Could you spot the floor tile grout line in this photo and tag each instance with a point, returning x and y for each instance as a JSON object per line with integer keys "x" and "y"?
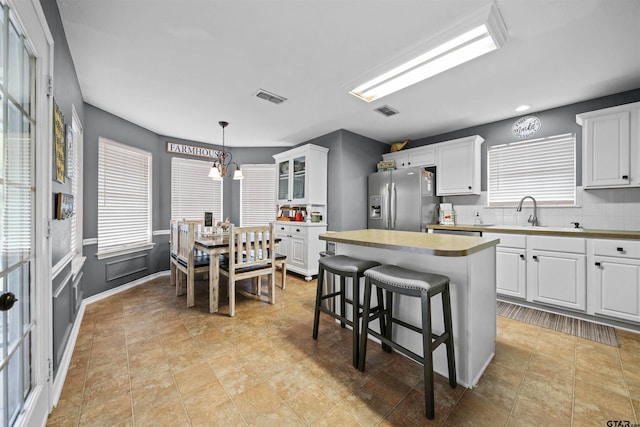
{"x": 86, "y": 369}
{"x": 573, "y": 385}
{"x": 126, "y": 346}
{"x": 524, "y": 376}
{"x": 626, "y": 384}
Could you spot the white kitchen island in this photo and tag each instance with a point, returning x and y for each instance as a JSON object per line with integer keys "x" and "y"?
{"x": 470, "y": 263}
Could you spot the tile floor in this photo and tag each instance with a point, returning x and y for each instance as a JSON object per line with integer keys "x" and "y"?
{"x": 143, "y": 359}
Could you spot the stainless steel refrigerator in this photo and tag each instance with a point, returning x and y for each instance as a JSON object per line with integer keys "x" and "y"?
{"x": 403, "y": 199}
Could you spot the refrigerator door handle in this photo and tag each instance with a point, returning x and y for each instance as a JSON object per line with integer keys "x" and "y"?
{"x": 393, "y": 206}
{"x": 386, "y": 206}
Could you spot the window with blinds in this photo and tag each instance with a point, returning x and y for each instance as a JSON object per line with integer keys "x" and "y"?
{"x": 124, "y": 197}
{"x": 192, "y": 192}
{"x": 258, "y": 195}
{"x": 544, "y": 168}
{"x": 72, "y": 155}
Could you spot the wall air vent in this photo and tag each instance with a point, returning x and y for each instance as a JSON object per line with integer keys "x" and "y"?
{"x": 385, "y": 110}
{"x": 271, "y": 97}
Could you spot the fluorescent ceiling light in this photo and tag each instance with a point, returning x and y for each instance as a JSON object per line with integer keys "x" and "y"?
{"x": 523, "y": 108}
{"x": 482, "y": 33}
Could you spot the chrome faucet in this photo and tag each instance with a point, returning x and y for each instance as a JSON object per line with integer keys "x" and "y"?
{"x": 533, "y": 219}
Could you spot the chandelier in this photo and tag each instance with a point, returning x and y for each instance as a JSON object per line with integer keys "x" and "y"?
{"x": 223, "y": 162}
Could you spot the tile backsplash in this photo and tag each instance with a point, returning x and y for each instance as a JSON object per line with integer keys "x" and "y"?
{"x": 606, "y": 209}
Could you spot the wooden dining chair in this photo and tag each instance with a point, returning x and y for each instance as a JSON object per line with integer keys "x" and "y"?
{"x": 173, "y": 252}
{"x": 190, "y": 261}
{"x": 251, "y": 255}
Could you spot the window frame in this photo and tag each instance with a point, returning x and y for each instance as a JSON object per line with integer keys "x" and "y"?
{"x": 524, "y": 158}
{"x": 266, "y": 176}
{"x": 199, "y": 174}
{"x": 131, "y": 152}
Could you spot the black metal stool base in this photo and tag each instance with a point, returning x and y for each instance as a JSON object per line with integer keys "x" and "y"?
{"x": 396, "y": 280}
{"x": 344, "y": 267}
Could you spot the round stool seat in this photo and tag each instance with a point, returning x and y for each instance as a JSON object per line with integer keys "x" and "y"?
{"x": 346, "y": 264}
{"x": 399, "y": 277}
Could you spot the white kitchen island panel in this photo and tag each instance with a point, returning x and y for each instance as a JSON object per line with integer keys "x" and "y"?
{"x": 473, "y": 292}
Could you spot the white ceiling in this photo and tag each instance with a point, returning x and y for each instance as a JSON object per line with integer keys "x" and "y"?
{"x": 177, "y": 67}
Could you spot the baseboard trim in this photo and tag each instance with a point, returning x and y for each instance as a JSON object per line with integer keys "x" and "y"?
{"x": 56, "y": 388}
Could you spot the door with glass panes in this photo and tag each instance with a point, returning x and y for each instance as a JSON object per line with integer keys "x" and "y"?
{"x": 24, "y": 117}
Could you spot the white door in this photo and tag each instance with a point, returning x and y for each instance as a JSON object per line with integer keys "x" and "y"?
{"x": 25, "y": 177}
{"x": 558, "y": 278}
{"x": 511, "y": 272}
{"x": 617, "y": 288}
{"x": 607, "y": 159}
{"x": 456, "y": 169}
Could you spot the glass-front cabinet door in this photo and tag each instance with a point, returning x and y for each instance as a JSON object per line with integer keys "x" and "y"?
{"x": 299, "y": 172}
{"x": 292, "y": 180}
{"x": 283, "y": 181}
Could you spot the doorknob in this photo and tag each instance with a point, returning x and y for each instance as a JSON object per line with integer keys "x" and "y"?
{"x": 7, "y": 300}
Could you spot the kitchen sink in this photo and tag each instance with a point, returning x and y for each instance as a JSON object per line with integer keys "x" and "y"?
{"x": 537, "y": 227}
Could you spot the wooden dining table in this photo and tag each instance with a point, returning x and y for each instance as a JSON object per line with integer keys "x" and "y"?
{"x": 215, "y": 245}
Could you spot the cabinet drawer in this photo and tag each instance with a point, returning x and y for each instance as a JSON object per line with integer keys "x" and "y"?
{"x": 298, "y": 230}
{"x": 617, "y": 248}
{"x": 509, "y": 240}
{"x": 558, "y": 244}
{"x": 282, "y": 230}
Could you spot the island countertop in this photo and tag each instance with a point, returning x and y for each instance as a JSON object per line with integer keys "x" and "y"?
{"x": 413, "y": 241}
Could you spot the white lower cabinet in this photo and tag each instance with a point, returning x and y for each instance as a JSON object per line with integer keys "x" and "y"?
{"x": 556, "y": 273}
{"x": 301, "y": 244}
{"x": 615, "y": 273}
{"x": 558, "y": 278}
{"x": 511, "y": 277}
{"x": 597, "y": 277}
{"x": 511, "y": 265}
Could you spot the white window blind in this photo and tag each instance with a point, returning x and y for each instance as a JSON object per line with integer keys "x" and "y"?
{"x": 72, "y": 155}
{"x": 124, "y": 197}
{"x": 544, "y": 168}
{"x": 17, "y": 189}
{"x": 258, "y": 195}
{"x": 192, "y": 191}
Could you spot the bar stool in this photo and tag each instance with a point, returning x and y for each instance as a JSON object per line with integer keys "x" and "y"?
{"x": 343, "y": 266}
{"x": 397, "y": 280}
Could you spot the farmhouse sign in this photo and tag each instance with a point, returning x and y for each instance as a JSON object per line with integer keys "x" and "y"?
{"x": 192, "y": 150}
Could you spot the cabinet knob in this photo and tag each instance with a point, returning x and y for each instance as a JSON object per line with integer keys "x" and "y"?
{"x": 535, "y": 257}
{"x": 598, "y": 264}
{"x": 625, "y": 176}
{"x": 408, "y": 163}
{"x": 620, "y": 249}
{"x": 297, "y": 230}
{"x": 469, "y": 187}
{"x": 521, "y": 256}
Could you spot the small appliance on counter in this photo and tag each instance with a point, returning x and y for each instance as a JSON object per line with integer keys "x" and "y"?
{"x": 447, "y": 214}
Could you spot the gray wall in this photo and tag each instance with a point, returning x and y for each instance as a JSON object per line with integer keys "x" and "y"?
{"x": 66, "y": 92}
{"x": 351, "y": 159}
{"x": 554, "y": 122}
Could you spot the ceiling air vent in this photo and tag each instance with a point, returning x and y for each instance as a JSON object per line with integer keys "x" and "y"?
{"x": 271, "y": 97}
{"x": 385, "y": 110}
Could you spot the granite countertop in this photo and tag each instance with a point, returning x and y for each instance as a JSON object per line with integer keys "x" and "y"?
{"x": 541, "y": 230}
{"x": 412, "y": 241}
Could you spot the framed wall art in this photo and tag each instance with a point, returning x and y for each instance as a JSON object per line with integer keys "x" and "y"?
{"x": 64, "y": 206}
{"x": 59, "y": 143}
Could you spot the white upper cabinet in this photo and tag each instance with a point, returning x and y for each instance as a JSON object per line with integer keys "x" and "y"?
{"x": 302, "y": 175}
{"x": 458, "y": 163}
{"x": 611, "y": 147}
{"x": 419, "y": 156}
